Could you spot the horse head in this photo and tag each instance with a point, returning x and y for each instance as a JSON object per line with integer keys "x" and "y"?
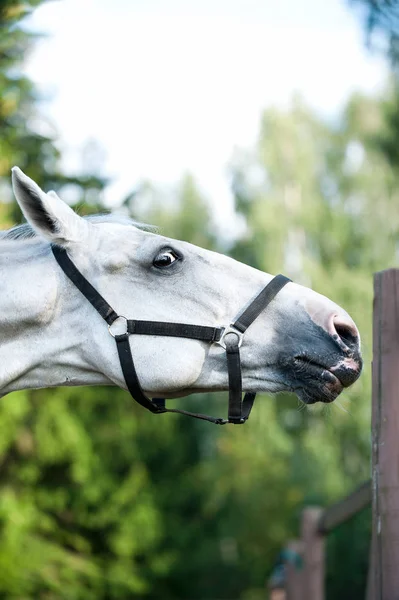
{"x": 303, "y": 342}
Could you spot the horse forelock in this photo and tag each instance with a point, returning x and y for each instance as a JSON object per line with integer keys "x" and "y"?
{"x": 26, "y": 232}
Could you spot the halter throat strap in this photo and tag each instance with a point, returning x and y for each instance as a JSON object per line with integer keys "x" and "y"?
{"x": 230, "y": 338}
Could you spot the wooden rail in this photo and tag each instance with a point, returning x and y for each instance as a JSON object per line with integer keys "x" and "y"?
{"x": 345, "y": 509}
{"x": 307, "y": 582}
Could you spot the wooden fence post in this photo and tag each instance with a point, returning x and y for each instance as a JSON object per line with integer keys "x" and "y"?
{"x": 385, "y": 437}
{"x": 294, "y": 571}
{"x": 313, "y": 555}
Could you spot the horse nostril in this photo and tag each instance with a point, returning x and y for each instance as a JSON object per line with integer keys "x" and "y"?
{"x": 345, "y": 331}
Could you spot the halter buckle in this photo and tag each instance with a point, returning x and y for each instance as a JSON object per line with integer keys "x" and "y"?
{"x": 226, "y": 331}
{"x": 121, "y": 326}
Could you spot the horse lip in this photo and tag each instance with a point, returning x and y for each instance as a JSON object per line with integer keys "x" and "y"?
{"x": 345, "y": 372}
{"x": 306, "y": 361}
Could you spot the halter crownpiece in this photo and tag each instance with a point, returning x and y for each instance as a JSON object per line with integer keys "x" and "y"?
{"x": 230, "y": 338}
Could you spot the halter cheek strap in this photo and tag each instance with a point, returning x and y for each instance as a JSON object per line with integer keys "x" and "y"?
{"x": 230, "y": 338}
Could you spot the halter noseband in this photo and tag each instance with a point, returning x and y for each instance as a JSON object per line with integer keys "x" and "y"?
{"x": 230, "y": 338}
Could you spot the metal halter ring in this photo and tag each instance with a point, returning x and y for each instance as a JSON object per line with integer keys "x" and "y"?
{"x": 119, "y": 325}
{"x": 227, "y": 330}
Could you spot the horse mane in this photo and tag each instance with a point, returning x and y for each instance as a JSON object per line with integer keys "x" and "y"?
{"x": 26, "y": 232}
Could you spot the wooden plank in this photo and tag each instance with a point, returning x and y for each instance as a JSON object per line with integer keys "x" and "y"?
{"x": 345, "y": 509}
{"x": 385, "y": 437}
{"x": 294, "y": 571}
{"x": 313, "y": 555}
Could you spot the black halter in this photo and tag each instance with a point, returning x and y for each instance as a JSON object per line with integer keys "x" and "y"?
{"x": 230, "y": 338}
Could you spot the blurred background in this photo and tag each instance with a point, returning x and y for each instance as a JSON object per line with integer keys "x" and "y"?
{"x": 265, "y": 130}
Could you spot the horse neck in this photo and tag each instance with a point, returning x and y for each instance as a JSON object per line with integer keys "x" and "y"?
{"x": 42, "y": 331}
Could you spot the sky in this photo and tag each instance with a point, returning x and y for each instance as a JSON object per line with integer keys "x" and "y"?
{"x": 168, "y": 87}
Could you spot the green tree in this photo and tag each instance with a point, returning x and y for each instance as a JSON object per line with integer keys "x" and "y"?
{"x": 381, "y": 22}
{"x": 382, "y": 17}
{"x": 27, "y": 139}
{"x": 181, "y": 212}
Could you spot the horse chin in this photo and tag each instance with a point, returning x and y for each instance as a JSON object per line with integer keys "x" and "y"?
{"x": 325, "y": 393}
{"x": 316, "y": 384}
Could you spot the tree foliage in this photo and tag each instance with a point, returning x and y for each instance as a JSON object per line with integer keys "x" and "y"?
{"x": 381, "y": 21}
{"x": 27, "y": 138}
{"x": 382, "y": 17}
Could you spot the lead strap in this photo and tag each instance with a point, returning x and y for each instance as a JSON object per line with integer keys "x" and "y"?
{"x": 157, "y": 405}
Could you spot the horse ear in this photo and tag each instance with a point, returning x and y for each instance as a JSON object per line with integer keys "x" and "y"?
{"x": 49, "y": 216}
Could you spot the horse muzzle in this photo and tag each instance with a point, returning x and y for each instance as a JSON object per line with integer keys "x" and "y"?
{"x": 328, "y": 359}
{"x": 315, "y": 380}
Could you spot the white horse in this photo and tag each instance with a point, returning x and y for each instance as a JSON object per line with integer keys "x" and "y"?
{"x": 51, "y": 336}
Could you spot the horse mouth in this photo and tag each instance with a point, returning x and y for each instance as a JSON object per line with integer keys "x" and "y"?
{"x": 315, "y": 382}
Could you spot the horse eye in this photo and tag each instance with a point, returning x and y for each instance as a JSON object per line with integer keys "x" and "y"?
{"x": 165, "y": 259}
